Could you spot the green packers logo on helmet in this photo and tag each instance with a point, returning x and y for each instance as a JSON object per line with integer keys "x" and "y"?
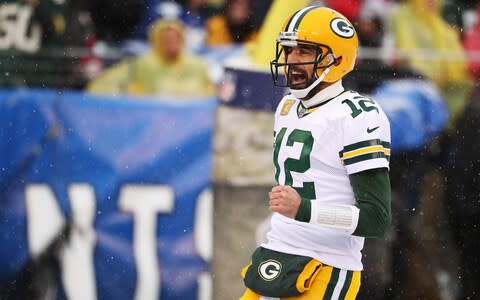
{"x": 342, "y": 28}
{"x": 269, "y": 269}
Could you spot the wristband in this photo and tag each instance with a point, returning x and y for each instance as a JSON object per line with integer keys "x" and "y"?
{"x": 334, "y": 215}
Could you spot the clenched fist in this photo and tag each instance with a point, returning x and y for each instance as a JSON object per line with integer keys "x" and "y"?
{"x": 285, "y": 200}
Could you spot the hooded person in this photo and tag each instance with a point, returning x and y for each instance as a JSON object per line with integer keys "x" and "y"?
{"x": 429, "y": 45}
{"x": 165, "y": 70}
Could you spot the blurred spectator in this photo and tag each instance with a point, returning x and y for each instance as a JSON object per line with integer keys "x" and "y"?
{"x": 195, "y": 14}
{"x": 47, "y": 43}
{"x": 462, "y": 171}
{"x": 371, "y": 69}
{"x": 164, "y": 70}
{"x": 349, "y": 8}
{"x": 153, "y": 10}
{"x": 260, "y": 9}
{"x": 234, "y": 25}
{"x": 454, "y": 12}
{"x": 82, "y": 33}
{"x": 370, "y": 29}
{"x": 471, "y": 42}
{"x": 34, "y": 36}
{"x": 428, "y": 44}
{"x": 463, "y": 194}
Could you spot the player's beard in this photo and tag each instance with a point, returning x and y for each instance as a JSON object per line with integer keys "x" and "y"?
{"x": 299, "y": 78}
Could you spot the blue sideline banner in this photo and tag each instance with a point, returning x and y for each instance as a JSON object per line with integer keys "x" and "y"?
{"x": 120, "y": 187}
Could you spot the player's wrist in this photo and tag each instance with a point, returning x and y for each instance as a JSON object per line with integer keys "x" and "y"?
{"x": 304, "y": 211}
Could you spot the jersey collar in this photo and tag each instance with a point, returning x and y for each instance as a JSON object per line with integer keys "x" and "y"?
{"x": 324, "y": 95}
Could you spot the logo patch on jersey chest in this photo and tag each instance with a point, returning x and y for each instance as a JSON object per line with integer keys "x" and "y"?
{"x": 303, "y": 111}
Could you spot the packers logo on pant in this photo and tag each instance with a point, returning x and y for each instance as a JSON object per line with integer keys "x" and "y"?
{"x": 270, "y": 269}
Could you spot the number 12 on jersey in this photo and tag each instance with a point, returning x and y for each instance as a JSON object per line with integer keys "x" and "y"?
{"x": 300, "y": 165}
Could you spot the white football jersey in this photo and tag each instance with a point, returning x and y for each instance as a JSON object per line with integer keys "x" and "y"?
{"x": 315, "y": 150}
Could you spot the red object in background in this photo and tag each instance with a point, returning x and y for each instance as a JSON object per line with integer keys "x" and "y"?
{"x": 471, "y": 43}
{"x": 348, "y": 8}
{"x": 90, "y": 65}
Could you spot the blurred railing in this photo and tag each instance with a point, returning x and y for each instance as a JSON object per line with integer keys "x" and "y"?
{"x": 425, "y": 54}
{"x": 68, "y": 67}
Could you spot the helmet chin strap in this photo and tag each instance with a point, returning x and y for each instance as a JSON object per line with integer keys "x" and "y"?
{"x": 302, "y": 93}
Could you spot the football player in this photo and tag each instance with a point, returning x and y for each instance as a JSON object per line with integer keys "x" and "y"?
{"x": 331, "y": 152}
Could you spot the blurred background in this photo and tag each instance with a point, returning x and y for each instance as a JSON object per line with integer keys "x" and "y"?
{"x": 136, "y": 135}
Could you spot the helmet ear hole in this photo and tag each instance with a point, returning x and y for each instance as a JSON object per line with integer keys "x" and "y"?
{"x": 338, "y": 61}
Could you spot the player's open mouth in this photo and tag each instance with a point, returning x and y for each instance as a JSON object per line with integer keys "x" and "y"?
{"x": 298, "y": 78}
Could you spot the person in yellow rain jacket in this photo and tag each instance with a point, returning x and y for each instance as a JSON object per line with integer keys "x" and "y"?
{"x": 165, "y": 70}
{"x": 428, "y": 44}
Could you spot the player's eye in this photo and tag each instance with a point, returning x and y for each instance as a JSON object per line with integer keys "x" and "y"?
{"x": 307, "y": 50}
{"x": 287, "y": 50}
